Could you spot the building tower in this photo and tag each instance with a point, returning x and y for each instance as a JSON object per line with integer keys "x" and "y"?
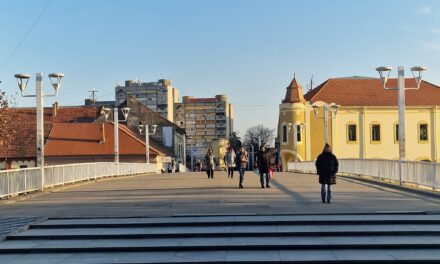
{"x": 291, "y": 128}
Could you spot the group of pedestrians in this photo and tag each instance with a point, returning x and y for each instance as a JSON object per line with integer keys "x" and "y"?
{"x": 326, "y": 166}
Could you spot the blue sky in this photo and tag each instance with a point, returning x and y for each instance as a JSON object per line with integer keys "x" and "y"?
{"x": 247, "y": 49}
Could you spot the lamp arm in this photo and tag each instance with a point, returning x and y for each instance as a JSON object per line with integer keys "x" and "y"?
{"x": 29, "y": 95}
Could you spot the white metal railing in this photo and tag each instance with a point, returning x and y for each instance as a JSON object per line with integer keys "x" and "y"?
{"x": 415, "y": 172}
{"x": 14, "y": 182}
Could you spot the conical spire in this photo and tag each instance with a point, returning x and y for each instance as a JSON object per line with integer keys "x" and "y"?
{"x": 294, "y": 93}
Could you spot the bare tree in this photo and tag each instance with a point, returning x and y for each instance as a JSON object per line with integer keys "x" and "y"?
{"x": 7, "y": 119}
{"x": 252, "y": 135}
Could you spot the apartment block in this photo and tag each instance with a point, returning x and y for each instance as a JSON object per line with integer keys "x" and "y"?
{"x": 205, "y": 120}
{"x": 159, "y": 96}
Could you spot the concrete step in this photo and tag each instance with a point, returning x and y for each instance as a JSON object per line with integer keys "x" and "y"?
{"x": 238, "y": 221}
{"x": 215, "y": 244}
{"x": 228, "y": 231}
{"x": 383, "y": 238}
{"x": 239, "y": 257}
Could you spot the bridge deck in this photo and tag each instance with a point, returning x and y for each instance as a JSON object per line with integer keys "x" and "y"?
{"x": 193, "y": 193}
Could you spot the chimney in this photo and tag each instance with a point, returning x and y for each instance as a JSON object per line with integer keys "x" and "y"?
{"x": 102, "y": 130}
{"x": 54, "y": 109}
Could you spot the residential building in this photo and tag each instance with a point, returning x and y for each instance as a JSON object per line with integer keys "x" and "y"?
{"x": 204, "y": 119}
{"x": 366, "y": 124}
{"x": 159, "y": 96}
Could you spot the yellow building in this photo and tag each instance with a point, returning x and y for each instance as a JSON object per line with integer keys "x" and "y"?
{"x": 365, "y": 126}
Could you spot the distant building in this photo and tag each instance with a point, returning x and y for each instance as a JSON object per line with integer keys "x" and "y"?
{"x": 168, "y": 135}
{"x": 99, "y": 103}
{"x": 159, "y": 96}
{"x": 205, "y": 120}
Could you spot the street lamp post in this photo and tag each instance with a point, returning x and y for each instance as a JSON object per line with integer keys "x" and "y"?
{"x": 333, "y": 108}
{"x": 116, "y": 121}
{"x": 384, "y": 73}
{"x": 147, "y": 141}
{"x": 22, "y": 80}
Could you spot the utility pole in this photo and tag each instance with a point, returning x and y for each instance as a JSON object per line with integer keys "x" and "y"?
{"x": 93, "y": 91}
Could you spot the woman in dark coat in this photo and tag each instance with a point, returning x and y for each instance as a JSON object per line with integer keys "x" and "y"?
{"x": 327, "y": 167}
{"x": 263, "y": 164}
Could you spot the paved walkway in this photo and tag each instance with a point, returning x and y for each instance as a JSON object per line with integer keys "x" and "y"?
{"x": 193, "y": 193}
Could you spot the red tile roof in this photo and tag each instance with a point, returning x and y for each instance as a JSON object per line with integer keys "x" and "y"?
{"x": 64, "y": 114}
{"x": 92, "y": 139}
{"x": 369, "y": 92}
{"x": 24, "y": 144}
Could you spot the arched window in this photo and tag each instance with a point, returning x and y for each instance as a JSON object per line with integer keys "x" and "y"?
{"x": 285, "y": 130}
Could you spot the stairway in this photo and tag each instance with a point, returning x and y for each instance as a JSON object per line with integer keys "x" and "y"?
{"x": 369, "y": 238}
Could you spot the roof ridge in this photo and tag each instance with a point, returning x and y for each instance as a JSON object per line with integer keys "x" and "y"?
{"x": 321, "y": 88}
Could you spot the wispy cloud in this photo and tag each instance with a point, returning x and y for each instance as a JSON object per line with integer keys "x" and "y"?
{"x": 434, "y": 30}
{"x": 424, "y": 10}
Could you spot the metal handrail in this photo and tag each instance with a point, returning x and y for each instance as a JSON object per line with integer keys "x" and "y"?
{"x": 20, "y": 181}
{"x": 421, "y": 173}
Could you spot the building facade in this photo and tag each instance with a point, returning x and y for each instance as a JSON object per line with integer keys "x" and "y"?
{"x": 366, "y": 123}
{"x": 205, "y": 120}
{"x": 159, "y": 96}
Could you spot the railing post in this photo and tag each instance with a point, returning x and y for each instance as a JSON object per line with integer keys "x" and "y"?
{"x": 434, "y": 176}
{"x": 8, "y": 182}
{"x": 25, "y": 181}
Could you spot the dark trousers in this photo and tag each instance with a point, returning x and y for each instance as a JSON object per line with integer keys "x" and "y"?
{"x": 210, "y": 173}
{"x": 262, "y": 178}
{"x": 231, "y": 172}
{"x": 241, "y": 172}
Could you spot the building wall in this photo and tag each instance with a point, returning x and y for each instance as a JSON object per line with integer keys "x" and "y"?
{"x": 159, "y": 96}
{"x": 364, "y": 147}
{"x": 17, "y": 164}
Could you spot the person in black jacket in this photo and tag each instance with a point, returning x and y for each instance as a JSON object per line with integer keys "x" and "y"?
{"x": 327, "y": 167}
{"x": 263, "y": 164}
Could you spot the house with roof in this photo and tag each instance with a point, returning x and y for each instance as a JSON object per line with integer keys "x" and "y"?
{"x": 69, "y": 143}
{"x": 72, "y": 134}
{"x": 366, "y": 123}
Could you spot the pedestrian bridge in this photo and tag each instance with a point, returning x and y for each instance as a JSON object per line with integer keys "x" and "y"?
{"x": 188, "y": 218}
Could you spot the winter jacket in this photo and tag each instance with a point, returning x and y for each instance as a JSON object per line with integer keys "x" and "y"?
{"x": 210, "y": 161}
{"x": 241, "y": 160}
{"x": 327, "y": 167}
{"x": 263, "y": 161}
{"x": 230, "y": 159}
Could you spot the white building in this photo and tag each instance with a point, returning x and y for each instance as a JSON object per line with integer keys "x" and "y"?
{"x": 159, "y": 96}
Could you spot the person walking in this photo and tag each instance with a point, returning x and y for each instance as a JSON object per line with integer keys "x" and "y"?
{"x": 263, "y": 164}
{"x": 327, "y": 167}
{"x": 241, "y": 163}
{"x": 210, "y": 163}
{"x": 229, "y": 160}
{"x": 276, "y": 160}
